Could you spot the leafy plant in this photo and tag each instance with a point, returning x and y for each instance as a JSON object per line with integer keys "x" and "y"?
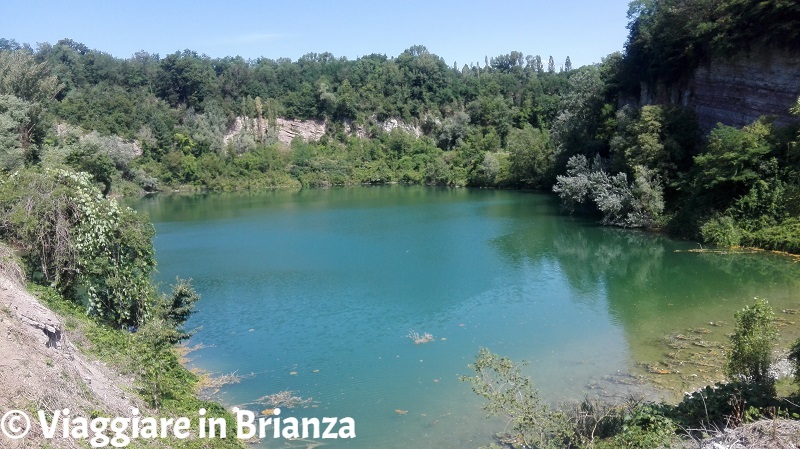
{"x": 512, "y": 395}
{"x": 76, "y": 239}
{"x": 638, "y": 204}
{"x": 751, "y": 344}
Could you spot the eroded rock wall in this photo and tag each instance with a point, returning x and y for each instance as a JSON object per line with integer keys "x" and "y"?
{"x": 736, "y": 91}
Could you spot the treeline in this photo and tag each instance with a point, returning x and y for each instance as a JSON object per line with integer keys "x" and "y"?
{"x": 186, "y": 120}
{"x": 180, "y": 108}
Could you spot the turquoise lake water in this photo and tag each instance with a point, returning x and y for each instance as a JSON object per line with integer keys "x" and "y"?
{"x": 315, "y": 291}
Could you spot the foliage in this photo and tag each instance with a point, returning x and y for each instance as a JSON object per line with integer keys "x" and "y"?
{"x": 159, "y": 377}
{"x": 576, "y": 129}
{"x": 733, "y": 161}
{"x": 784, "y": 236}
{"x": 534, "y": 423}
{"x": 531, "y": 157}
{"x": 670, "y": 37}
{"x": 794, "y": 357}
{"x": 755, "y": 335}
{"x": 531, "y": 421}
{"x": 26, "y": 88}
{"x": 721, "y": 230}
{"x": 621, "y": 204}
{"x": 721, "y": 405}
{"x": 662, "y": 138}
{"x": 75, "y": 238}
{"x": 643, "y": 427}
{"x": 14, "y": 114}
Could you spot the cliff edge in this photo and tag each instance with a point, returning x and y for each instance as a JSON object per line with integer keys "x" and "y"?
{"x": 736, "y": 91}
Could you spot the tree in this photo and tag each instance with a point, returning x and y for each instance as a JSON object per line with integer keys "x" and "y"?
{"x": 532, "y": 157}
{"x": 80, "y": 241}
{"x": 751, "y": 344}
{"x": 551, "y": 65}
{"x": 158, "y": 335}
{"x": 537, "y": 64}
{"x": 638, "y": 204}
{"x": 14, "y": 115}
{"x": 568, "y": 65}
{"x": 733, "y": 162}
{"x": 97, "y": 164}
{"x": 575, "y": 130}
{"x": 508, "y": 393}
{"x": 186, "y": 79}
{"x": 26, "y": 89}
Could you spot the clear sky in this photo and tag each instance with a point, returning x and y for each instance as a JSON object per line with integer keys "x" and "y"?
{"x": 459, "y": 31}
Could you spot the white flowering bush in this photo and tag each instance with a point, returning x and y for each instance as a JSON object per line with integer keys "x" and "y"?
{"x": 79, "y": 240}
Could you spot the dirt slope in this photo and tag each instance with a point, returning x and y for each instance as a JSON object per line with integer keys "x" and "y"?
{"x": 40, "y": 369}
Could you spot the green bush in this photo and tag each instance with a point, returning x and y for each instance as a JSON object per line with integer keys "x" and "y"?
{"x": 794, "y": 357}
{"x": 784, "y": 236}
{"x": 751, "y": 344}
{"x": 78, "y": 240}
{"x": 721, "y": 231}
{"x": 721, "y": 404}
{"x": 644, "y": 427}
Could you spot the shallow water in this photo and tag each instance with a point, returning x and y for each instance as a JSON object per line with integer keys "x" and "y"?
{"x": 315, "y": 291}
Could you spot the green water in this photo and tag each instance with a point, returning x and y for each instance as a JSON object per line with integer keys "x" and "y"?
{"x": 315, "y": 291}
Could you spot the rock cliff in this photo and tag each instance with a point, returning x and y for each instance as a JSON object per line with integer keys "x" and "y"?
{"x": 736, "y": 91}
{"x": 310, "y": 130}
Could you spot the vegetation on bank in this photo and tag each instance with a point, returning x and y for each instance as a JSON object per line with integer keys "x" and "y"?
{"x": 748, "y": 396}
{"x": 184, "y": 120}
{"x": 91, "y": 261}
{"x": 78, "y": 125}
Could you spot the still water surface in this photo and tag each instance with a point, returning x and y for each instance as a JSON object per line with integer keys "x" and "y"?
{"x": 315, "y": 291}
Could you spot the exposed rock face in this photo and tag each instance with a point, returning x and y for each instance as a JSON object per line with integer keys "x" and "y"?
{"x": 307, "y": 129}
{"x": 392, "y": 123}
{"x": 737, "y": 91}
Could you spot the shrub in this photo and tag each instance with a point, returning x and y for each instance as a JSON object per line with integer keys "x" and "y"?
{"x": 721, "y": 405}
{"x": 721, "y": 231}
{"x": 531, "y": 422}
{"x": 76, "y": 239}
{"x": 635, "y": 205}
{"x": 794, "y": 357}
{"x": 752, "y": 343}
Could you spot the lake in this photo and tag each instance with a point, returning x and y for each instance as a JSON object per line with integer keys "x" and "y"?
{"x": 316, "y": 292}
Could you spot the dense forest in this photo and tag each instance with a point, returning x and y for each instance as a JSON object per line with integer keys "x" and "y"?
{"x": 184, "y": 120}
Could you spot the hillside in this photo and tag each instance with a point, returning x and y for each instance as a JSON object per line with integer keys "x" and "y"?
{"x": 43, "y": 369}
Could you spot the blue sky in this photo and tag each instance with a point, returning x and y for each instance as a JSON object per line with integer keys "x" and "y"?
{"x": 458, "y": 31}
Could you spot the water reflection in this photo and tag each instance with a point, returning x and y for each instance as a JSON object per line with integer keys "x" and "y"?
{"x": 327, "y": 283}
{"x": 653, "y": 286}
